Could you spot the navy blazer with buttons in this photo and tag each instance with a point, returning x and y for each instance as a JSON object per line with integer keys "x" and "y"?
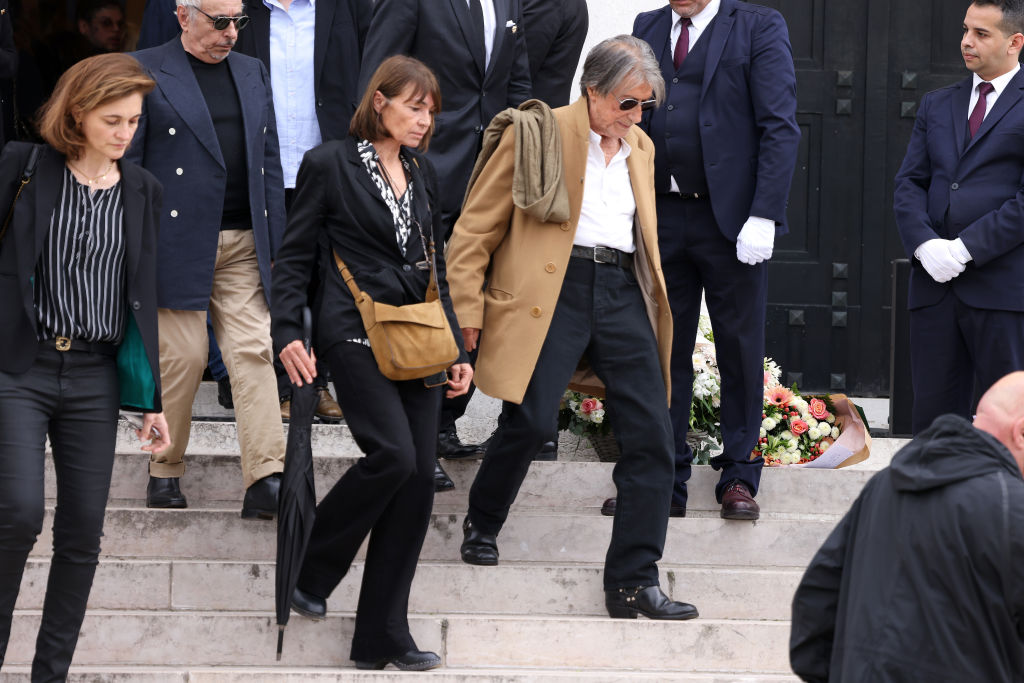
{"x": 748, "y": 129}
{"x": 951, "y": 185}
{"x": 24, "y": 241}
{"x": 177, "y": 143}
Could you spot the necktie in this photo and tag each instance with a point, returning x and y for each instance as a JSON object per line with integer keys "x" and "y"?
{"x": 476, "y": 15}
{"x": 978, "y": 115}
{"x": 682, "y": 44}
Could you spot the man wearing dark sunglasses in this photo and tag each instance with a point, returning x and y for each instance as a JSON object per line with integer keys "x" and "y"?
{"x": 726, "y": 144}
{"x": 208, "y": 133}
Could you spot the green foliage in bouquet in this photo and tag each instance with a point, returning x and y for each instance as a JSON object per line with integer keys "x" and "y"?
{"x": 582, "y": 415}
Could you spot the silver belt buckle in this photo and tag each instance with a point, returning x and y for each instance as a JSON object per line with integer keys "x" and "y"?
{"x": 605, "y": 255}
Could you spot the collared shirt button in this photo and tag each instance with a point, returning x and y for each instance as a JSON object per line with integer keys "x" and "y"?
{"x": 174, "y": 213}
{"x": 535, "y": 311}
{"x": 955, "y": 186}
{"x": 178, "y": 171}
{"x": 171, "y": 131}
{"x": 136, "y": 305}
{"x": 671, "y": 107}
{"x": 550, "y": 267}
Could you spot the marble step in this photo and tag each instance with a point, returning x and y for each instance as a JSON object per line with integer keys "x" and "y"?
{"x": 183, "y": 639}
{"x": 549, "y": 536}
{"x": 290, "y": 674}
{"x": 439, "y": 588}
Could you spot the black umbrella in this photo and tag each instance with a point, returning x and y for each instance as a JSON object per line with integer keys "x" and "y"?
{"x": 296, "y": 507}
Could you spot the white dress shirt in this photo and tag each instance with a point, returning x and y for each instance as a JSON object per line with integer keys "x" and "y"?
{"x": 292, "y": 33}
{"x": 999, "y": 84}
{"x": 606, "y": 216}
{"x": 698, "y": 23}
{"x": 489, "y": 21}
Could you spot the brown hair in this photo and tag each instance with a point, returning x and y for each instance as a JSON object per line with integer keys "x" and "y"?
{"x": 89, "y": 84}
{"x": 391, "y": 78}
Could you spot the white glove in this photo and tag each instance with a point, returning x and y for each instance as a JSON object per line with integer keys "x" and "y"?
{"x": 959, "y": 251}
{"x": 937, "y": 257}
{"x": 755, "y": 241}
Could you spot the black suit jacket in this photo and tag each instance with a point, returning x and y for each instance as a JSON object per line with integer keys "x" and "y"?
{"x": 557, "y": 31}
{"x": 339, "y": 34}
{"x": 434, "y": 31}
{"x": 337, "y": 206}
{"x": 26, "y": 235}
{"x": 8, "y": 56}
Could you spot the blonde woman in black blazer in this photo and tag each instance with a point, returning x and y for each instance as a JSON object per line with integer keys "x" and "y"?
{"x": 370, "y": 197}
{"x": 78, "y": 310}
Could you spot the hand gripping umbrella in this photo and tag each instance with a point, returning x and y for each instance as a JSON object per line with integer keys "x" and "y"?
{"x": 297, "y": 503}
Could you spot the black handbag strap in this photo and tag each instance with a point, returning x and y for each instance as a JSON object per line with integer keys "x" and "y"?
{"x": 26, "y": 178}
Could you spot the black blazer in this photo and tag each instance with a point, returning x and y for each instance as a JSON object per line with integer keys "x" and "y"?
{"x": 141, "y": 196}
{"x": 434, "y": 31}
{"x": 557, "y": 30}
{"x": 337, "y": 206}
{"x": 339, "y": 34}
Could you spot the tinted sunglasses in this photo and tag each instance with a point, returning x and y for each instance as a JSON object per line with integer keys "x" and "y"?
{"x": 221, "y": 23}
{"x": 627, "y": 103}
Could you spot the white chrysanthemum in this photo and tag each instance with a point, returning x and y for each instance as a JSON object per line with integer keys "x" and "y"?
{"x": 762, "y": 434}
{"x": 835, "y": 432}
{"x": 831, "y": 418}
{"x": 824, "y": 446}
{"x": 811, "y": 422}
{"x": 786, "y": 435}
{"x": 813, "y": 434}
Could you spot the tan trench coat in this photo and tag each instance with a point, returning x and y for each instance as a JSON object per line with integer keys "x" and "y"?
{"x": 523, "y": 261}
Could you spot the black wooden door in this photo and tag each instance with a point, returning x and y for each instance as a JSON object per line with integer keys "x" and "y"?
{"x": 862, "y": 67}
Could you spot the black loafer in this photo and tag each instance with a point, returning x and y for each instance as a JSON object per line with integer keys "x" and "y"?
{"x": 261, "y": 498}
{"x": 413, "y": 660}
{"x": 477, "y": 547}
{"x": 450, "y": 446}
{"x": 442, "y": 482}
{"x": 648, "y": 601}
{"x": 309, "y": 605}
{"x": 164, "y": 492}
{"x": 224, "y": 397}
{"x": 548, "y": 451}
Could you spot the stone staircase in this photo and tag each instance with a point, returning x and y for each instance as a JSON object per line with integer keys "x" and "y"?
{"x": 188, "y": 595}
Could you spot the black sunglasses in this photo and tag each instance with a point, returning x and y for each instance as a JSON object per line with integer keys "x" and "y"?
{"x": 221, "y": 23}
{"x": 627, "y": 103}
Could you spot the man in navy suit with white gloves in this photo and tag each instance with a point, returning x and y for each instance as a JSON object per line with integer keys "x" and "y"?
{"x": 725, "y": 149}
{"x": 959, "y": 203}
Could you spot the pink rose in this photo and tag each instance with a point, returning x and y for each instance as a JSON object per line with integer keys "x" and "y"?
{"x": 589, "y": 405}
{"x": 798, "y": 427}
{"x": 819, "y": 411}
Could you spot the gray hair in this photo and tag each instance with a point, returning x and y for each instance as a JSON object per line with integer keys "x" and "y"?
{"x": 616, "y": 60}
{"x": 193, "y": 5}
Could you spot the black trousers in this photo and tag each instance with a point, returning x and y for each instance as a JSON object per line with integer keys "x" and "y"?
{"x": 73, "y": 397}
{"x": 958, "y": 353}
{"x": 695, "y": 256}
{"x": 600, "y": 314}
{"x": 387, "y": 494}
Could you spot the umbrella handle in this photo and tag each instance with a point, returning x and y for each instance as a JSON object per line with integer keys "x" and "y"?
{"x": 307, "y": 327}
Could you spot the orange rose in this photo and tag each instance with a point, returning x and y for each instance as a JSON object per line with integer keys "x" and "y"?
{"x": 819, "y": 411}
{"x": 798, "y": 427}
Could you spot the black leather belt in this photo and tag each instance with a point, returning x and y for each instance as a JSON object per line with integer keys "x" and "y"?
{"x": 63, "y": 344}
{"x": 689, "y": 196}
{"x": 622, "y": 259}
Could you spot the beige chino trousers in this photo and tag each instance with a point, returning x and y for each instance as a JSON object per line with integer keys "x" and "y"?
{"x": 241, "y": 324}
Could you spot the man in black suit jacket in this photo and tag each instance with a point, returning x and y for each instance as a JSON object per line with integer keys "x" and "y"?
{"x": 312, "y": 52}
{"x": 481, "y": 72}
{"x": 558, "y": 29}
{"x": 8, "y": 57}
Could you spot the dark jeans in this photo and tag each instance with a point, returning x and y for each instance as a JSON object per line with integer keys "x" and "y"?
{"x": 601, "y": 315}
{"x": 389, "y": 491}
{"x": 73, "y": 397}
{"x": 696, "y": 256}
{"x": 958, "y": 353}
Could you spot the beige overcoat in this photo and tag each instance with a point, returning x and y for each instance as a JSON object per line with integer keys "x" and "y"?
{"x": 523, "y": 260}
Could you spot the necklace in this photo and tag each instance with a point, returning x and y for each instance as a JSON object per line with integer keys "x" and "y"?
{"x": 94, "y": 179}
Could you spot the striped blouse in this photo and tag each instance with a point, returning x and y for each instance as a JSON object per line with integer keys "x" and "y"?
{"x": 80, "y": 276}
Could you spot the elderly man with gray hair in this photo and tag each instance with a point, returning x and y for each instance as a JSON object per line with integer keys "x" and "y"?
{"x": 208, "y": 134}
{"x": 572, "y": 285}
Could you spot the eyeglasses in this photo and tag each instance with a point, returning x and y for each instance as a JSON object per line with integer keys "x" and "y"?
{"x": 627, "y": 103}
{"x": 221, "y": 23}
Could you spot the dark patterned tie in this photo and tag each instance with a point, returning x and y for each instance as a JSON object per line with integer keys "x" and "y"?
{"x": 683, "y": 44}
{"x": 978, "y": 115}
{"x": 476, "y": 15}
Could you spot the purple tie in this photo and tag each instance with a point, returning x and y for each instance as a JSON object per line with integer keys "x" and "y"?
{"x": 978, "y": 115}
{"x": 682, "y": 44}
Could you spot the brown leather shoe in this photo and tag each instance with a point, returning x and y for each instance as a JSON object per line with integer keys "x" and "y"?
{"x": 608, "y": 509}
{"x": 737, "y": 503}
{"x": 286, "y": 410}
{"x": 328, "y": 409}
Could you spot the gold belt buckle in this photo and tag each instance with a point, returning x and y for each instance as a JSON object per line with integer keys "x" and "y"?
{"x": 63, "y": 343}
